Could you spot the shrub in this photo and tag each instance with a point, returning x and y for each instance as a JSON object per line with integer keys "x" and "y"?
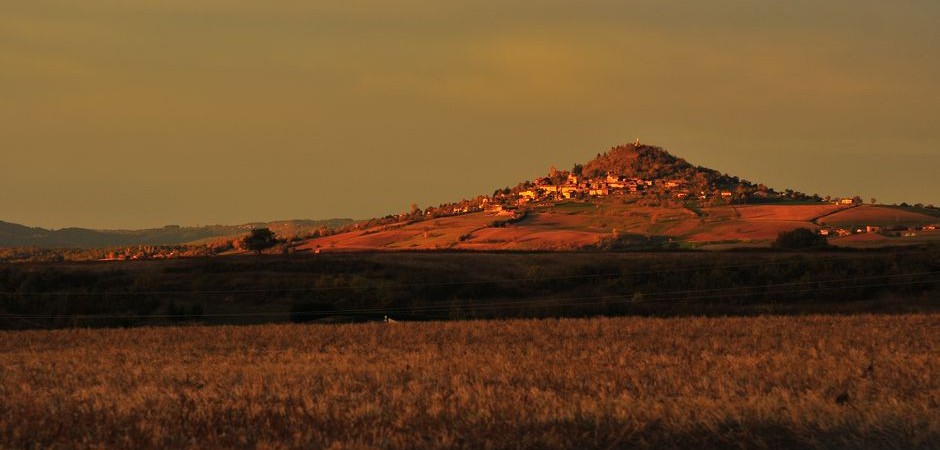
{"x": 800, "y": 238}
{"x": 259, "y": 239}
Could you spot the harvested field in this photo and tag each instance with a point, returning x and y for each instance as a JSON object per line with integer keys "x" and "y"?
{"x": 518, "y": 237}
{"x": 878, "y": 216}
{"x": 424, "y": 235}
{"x": 805, "y": 213}
{"x": 756, "y": 230}
{"x": 854, "y": 382}
{"x": 720, "y": 213}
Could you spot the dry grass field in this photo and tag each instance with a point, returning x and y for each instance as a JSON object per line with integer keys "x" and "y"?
{"x": 767, "y": 382}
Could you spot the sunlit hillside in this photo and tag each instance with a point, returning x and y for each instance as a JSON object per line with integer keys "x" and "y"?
{"x": 619, "y": 223}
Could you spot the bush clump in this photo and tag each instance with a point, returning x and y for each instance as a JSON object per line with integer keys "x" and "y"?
{"x": 800, "y": 238}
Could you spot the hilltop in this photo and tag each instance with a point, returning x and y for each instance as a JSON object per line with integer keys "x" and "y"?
{"x": 645, "y": 162}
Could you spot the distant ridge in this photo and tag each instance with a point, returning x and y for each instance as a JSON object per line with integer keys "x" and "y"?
{"x": 16, "y": 235}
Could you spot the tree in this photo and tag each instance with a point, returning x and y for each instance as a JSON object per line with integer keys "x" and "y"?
{"x": 577, "y": 170}
{"x": 873, "y": 200}
{"x": 800, "y": 238}
{"x": 259, "y": 239}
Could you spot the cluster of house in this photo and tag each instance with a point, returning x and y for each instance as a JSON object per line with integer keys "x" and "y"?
{"x": 142, "y": 252}
{"x": 897, "y": 231}
{"x": 162, "y": 252}
{"x": 575, "y": 186}
{"x": 497, "y": 209}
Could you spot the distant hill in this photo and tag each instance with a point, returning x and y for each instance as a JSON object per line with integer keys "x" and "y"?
{"x": 15, "y": 235}
{"x": 632, "y": 196}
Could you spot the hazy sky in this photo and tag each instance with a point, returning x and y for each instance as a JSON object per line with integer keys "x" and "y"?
{"x": 117, "y": 113}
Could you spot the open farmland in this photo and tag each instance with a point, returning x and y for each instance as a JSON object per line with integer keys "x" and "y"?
{"x": 765, "y": 382}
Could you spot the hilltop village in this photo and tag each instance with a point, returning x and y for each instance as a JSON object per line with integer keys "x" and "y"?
{"x": 560, "y": 186}
{"x": 650, "y": 175}
{"x": 579, "y": 187}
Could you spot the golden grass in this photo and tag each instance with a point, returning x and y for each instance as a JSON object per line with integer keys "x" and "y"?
{"x": 769, "y": 382}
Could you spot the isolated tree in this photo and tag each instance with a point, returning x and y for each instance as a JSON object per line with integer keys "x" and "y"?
{"x": 874, "y": 200}
{"x": 259, "y": 239}
{"x": 800, "y": 238}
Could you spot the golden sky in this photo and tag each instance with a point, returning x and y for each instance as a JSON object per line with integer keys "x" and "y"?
{"x": 127, "y": 114}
